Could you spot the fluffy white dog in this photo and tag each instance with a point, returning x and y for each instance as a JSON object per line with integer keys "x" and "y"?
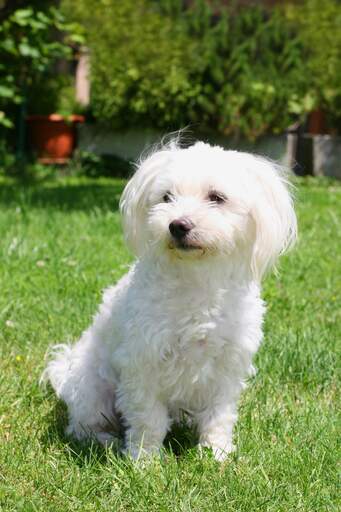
{"x": 179, "y": 331}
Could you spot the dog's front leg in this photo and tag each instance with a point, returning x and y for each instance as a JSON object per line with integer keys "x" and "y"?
{"x": 215, "y": 426}
{"x": 147, "y": 420}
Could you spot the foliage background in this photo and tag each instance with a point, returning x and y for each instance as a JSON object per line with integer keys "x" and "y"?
{"x": 317, "y": 23}
{"x": 32, "y": 38}
{"x": 240, "y": 70}
{"x": 237, "y": 70}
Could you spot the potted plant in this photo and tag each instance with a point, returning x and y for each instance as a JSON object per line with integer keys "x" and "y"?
{"x": 32, "y": 40}
{"x": 53, "y": 137}
{"x": 52, "y": 125}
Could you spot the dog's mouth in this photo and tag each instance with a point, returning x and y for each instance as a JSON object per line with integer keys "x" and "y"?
{"x": 188, "y": 247}
{"x": 184, "y": 245}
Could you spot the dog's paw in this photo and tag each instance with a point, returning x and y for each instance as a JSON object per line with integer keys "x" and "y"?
{"x": 140, "y": 454}
{"x": 220, "y": 453}
{"x": 106, "y": 439}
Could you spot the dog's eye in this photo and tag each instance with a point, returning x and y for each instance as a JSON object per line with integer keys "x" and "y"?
{"x": 216, "y": 197}
{"x": 167, "y": 197}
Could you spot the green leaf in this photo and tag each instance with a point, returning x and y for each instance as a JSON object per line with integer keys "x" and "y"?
{"x": 22, "y": 16}
{"x": 29, "y": 51}
{"x": 8, "y": 45}
{"x": 6, "y": 92}
{"x": 5, "y": 121}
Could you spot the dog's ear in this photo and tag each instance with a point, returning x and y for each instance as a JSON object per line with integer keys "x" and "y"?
{"x": 135, "y": 199}
{"x": 275, "y": 224}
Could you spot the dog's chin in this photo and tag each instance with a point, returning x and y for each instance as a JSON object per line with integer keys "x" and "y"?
{"x": 186, "y": 249}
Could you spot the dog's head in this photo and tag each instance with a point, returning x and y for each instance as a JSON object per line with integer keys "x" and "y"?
{"x": 200, "y": 201}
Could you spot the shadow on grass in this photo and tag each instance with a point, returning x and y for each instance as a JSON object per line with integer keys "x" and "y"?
{"x": 178, "y": 441}
{"x": 67, "y": 196}
{"x": 81, "y": 452}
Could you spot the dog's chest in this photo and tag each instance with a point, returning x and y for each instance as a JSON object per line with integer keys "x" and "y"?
{"x": 194, "y": 344}
{"x": 194, "y": 335}
{"x": 188, "y": 324}
{"x": 189, "y": 364}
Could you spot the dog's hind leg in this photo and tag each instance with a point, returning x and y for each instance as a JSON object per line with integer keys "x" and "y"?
{"x": 79, "y": 379}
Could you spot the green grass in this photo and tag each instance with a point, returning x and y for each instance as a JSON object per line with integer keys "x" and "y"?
{"x": 61, "y": 244}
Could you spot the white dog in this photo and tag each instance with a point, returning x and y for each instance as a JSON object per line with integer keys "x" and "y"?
{"x": 179, "y": 331}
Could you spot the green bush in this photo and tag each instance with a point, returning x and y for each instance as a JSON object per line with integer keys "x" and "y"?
{"x": 317, "y": 23}
{"x": 140, "y": 62}
{"x": 30, "y": 43}
{"x": 240, "y": 72}
{"x": 85, "y": 163}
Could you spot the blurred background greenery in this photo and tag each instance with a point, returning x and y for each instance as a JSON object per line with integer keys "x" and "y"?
{"x": 241, "y": 69}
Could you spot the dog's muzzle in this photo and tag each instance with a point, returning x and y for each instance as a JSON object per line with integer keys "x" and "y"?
{"x": 181, "y": 231}
{"x": 180, "y": 228}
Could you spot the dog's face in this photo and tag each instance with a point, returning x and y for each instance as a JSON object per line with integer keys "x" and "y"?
{"x": 192, "y": 209}
{"x": 196, "y": 202}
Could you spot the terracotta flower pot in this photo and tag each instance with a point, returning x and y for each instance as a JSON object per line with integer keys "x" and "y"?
{"x": 52, "y": 138}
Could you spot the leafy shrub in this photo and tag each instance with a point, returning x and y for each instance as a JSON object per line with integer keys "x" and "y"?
{"x": 85, "y": 163}
{"x": 160, "y": 64}
{"x": 317, "y": 23}
{"x": 29, "y": 46}
{"x": 255, "y": 73}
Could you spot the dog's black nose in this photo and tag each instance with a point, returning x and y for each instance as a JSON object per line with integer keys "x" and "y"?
{"x": 180, "y": 227}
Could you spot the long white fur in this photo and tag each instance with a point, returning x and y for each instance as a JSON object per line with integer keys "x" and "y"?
{"x": 180, "y": 329}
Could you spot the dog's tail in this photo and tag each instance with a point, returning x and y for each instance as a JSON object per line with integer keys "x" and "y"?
{"x": 58, "y": 368}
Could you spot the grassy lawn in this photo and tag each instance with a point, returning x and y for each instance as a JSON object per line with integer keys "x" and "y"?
{"x": 61, "y": 244}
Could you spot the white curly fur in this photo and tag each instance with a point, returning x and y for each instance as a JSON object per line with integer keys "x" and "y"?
{"x": 180, "y": 329}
